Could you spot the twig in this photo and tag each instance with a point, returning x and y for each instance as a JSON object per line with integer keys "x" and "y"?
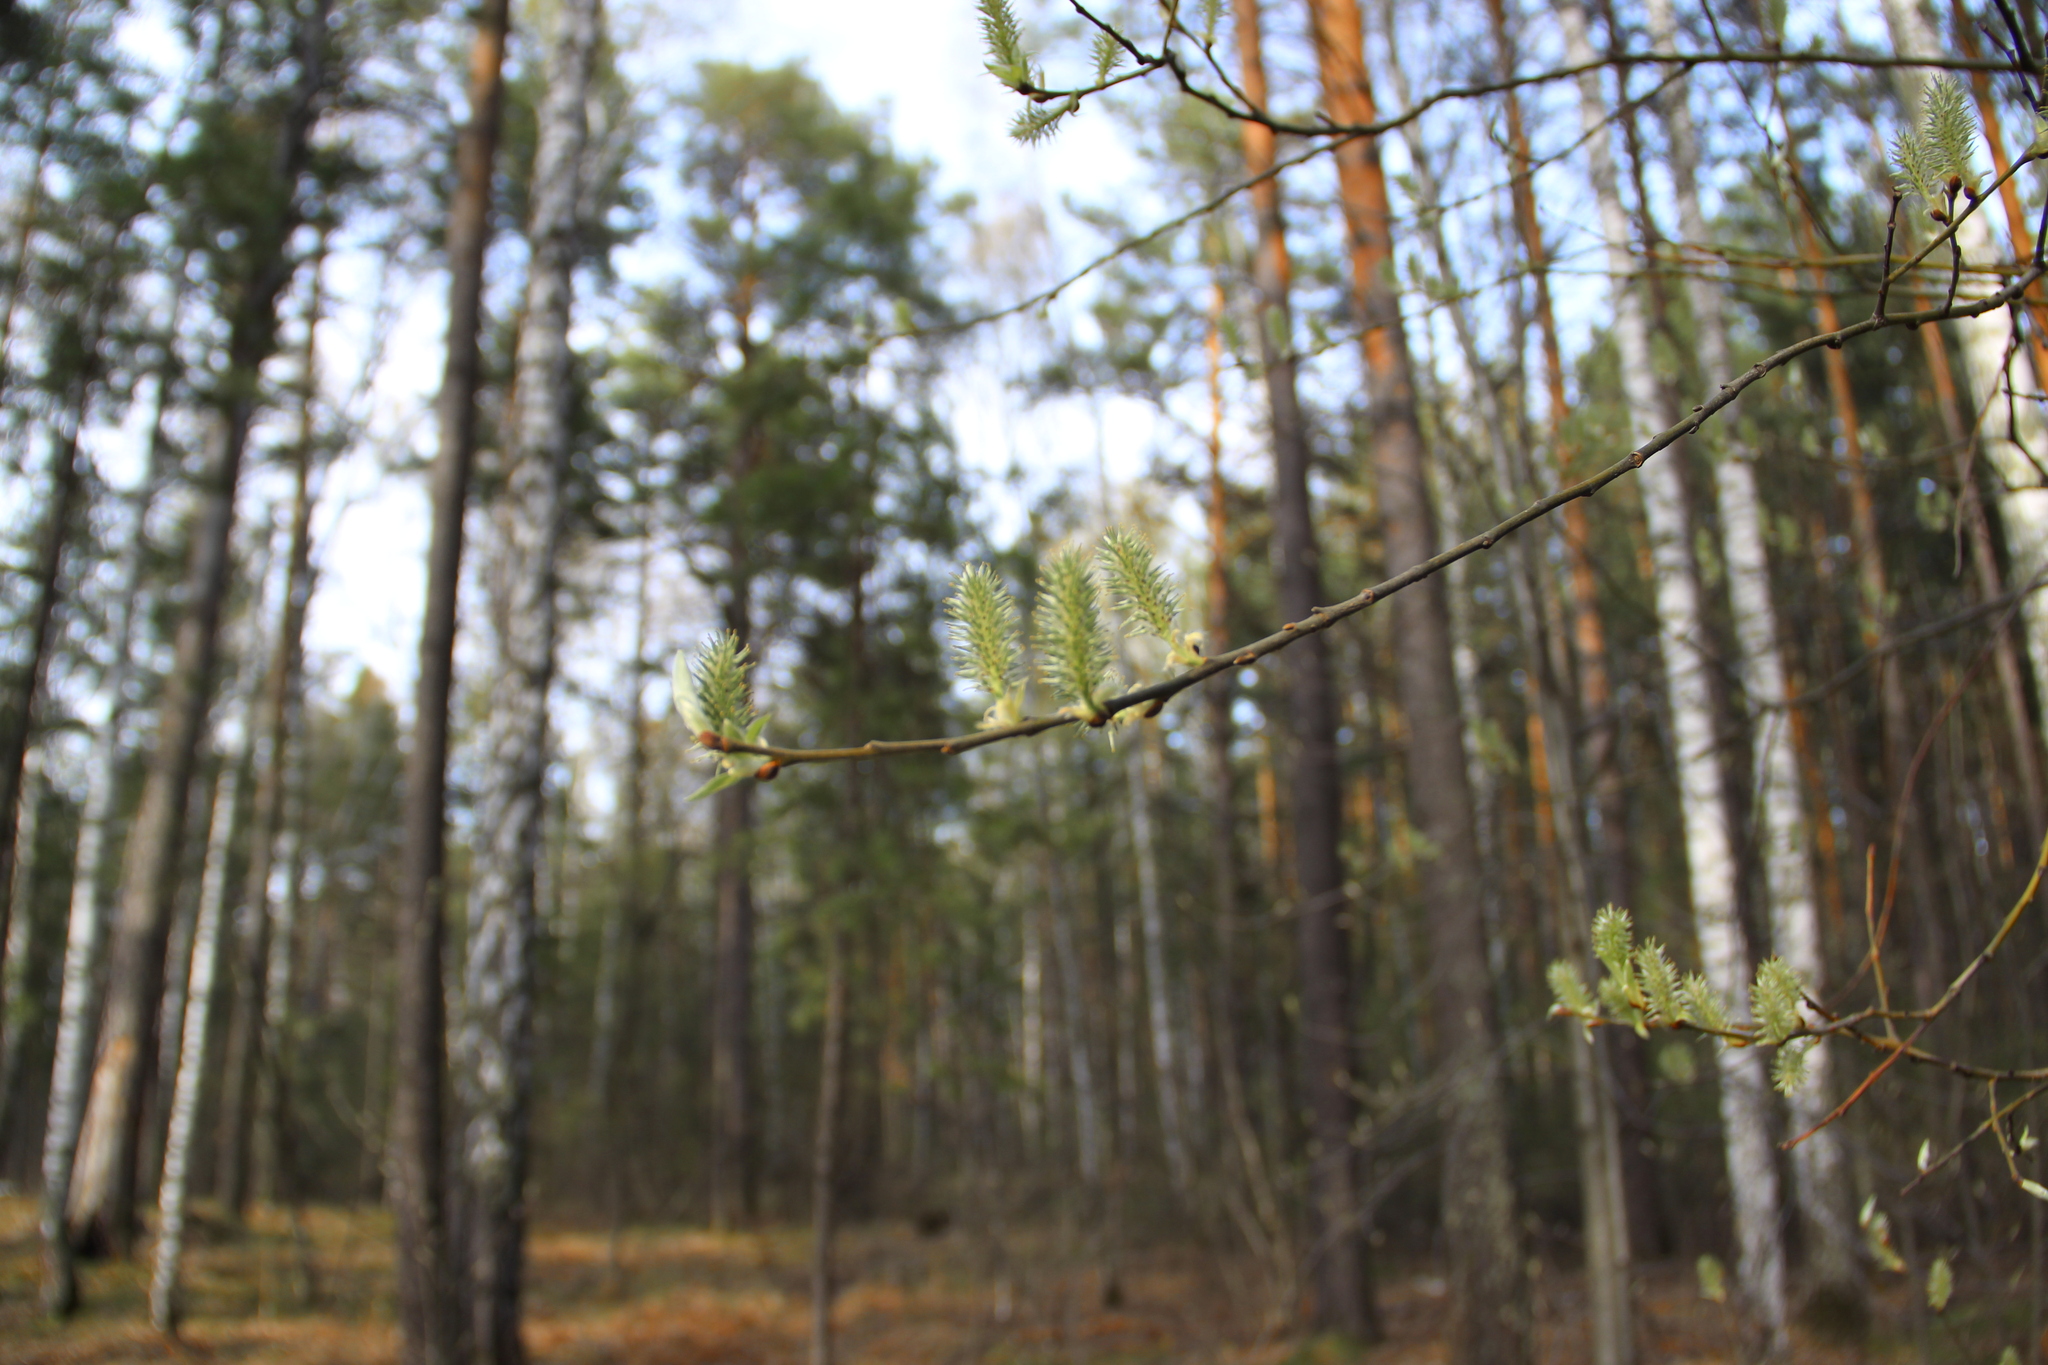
{"x": 1155, "y": 695}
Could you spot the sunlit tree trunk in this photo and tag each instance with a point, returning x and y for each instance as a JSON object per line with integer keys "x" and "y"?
{"x": 428, "y": 1301}
{"x": 1489, "y": 1317}
{"x": 1819, "y": 1165}
{"x": 494, "y": 1044}
{"x": 1681, "y": 629}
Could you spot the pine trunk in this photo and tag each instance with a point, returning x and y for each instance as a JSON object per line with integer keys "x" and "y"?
{"x": 1339, "y": 1271}
{"x": 1489, "y": 1318}
{"x": 428, "y": 1299}
{"x": 1681, "y": 628}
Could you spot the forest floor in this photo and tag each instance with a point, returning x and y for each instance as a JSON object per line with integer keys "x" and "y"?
{"x": 669, "y": 1296}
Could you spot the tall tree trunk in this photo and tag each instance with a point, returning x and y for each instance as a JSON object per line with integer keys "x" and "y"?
{"x": 1601, "y": 1186}
{"x": 271, "y": 739}
{"x": 1681, "y": 627}
{"x": 85, "y": 929}
{"x": 101, "y": 1215}
{"x": 416, "y": 1181}
{"x": 24, "y": 947}
{"x": 1338, "y": 1267}
{"x": 1489, "y": 1318}
{"x": 494, "y": 1047}
{"x": 192, "y": 1025}
{"x": 825, "y": 1145}
{"x": 81, "y": 335}
{"x": 1158, "y": 989}
{"x": 733, "y": 1158}
{"x": 624, "y": 913}
{"x": 1819, "y": 1164}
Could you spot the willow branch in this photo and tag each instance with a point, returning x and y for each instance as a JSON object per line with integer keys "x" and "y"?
{"x": 1155, "y": 695}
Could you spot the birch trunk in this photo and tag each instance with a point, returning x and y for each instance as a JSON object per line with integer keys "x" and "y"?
{"x": 1681, "y": 630}
{"x": 245, "y": 1046}
{"x": 1158, "y": 989}
{"x": 494, "y": 1046}
{"x": 1819, "y": 1164}
{"x": 1074, "y": 1018}
{"x": 1489, "y": 1312}
{"x": 102, "y": 1196}
{"x": 1603, "y": 1203}
{"x": 85, "y": 928}
{"x": 1338, "y": 1265}
{"x": 191, "y": 1027}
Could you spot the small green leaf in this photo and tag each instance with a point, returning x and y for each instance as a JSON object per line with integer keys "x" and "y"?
{"x": 1924, "y": 1158}
{"x": 2035, "y": 1188}
{"x": 1073, "y": 644}
{"x": 1941, "y": 1283}
{"x": 719, "y": 782}
{"x": 1569, "y": 991}
{"x": 1008, "y": 62}
{"x": 1775, "y": 998}
{"x": 1788, "y": 1067}
{"x": 1702, "y": 1005}
{"x": 1713, "y": 1279}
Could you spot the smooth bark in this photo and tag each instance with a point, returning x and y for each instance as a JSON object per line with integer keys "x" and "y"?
{"x": 1681, "y": 630}
{"x": 1819, "y": 1164}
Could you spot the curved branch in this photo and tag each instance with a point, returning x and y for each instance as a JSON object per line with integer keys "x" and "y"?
{"x": 1153, "y": 696}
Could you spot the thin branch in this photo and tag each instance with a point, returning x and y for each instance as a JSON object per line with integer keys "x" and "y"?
{"x": 1153, "y": 696}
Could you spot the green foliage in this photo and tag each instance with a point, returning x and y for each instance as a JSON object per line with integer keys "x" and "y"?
{"x": 1775, "y": 1000}
{"x": 1660, "y": 984}
{"x": 1702, "y": 1005}
{"x": 1941, "y": 1284}
{"x": 1107, "y": 55}
{"x": 1008, "y": 61}
{"x": 1568, "y": 988}
{"x": 1145, "y": 593}
{"x": 986, "y": 640}
{"x": 1713, "y": 1279}
{"x": 714, "y": 699}
{"x": 1788, "y": 1065}
{"x": 1934, "y": 158}
{"x": 1072, "y": 639}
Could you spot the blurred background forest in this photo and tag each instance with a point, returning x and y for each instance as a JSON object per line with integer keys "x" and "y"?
{"x": 390, "y": 390}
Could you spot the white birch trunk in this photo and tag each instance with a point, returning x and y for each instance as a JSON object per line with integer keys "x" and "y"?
{"x": 1819, "y": 1165}
{"x": 1681, "y": 632}
{"x": 494, "y": 1045}
{"x": 78, "y": 1006}
{"x": 191, "y": 1027}
{"x": 1158, "y": 990}
{"x": 2022, "y": 501}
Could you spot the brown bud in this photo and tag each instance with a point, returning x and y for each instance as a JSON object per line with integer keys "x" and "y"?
{"x": 766, "y": 772}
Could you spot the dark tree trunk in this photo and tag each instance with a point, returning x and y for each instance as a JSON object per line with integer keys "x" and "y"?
{"x": 428, "y": 1297}
{"x": 735, "y": 1165}
{"x": 1338, "y": 1270}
